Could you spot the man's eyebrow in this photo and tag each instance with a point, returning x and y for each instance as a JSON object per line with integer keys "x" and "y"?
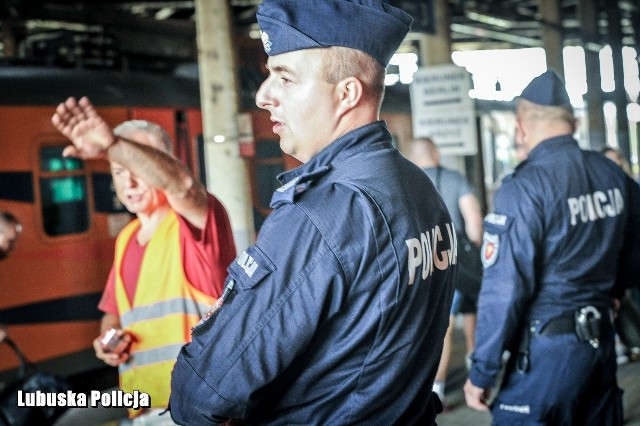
{"x": 282, "y": 69}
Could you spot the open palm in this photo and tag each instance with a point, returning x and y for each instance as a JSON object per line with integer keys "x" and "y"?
{"x": 90, "y": 135}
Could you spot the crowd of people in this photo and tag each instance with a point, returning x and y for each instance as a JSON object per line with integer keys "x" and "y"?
{"x": 342, "y": 311}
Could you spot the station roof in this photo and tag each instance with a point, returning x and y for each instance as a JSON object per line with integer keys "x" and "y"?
{"x": 160, "y": 36}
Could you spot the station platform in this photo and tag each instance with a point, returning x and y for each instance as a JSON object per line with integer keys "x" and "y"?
{"x": 458, "y": 413}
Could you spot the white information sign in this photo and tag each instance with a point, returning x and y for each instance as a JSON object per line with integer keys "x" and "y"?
{"x": 442, "y": 109}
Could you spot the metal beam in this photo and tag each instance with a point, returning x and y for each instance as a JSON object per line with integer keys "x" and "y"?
{"x": 495, "y": 35}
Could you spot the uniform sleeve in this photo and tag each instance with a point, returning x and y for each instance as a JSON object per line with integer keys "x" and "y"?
{"x": 509, "y": 255}
{"x": 240, "y": 354}
{"x": 208, "y": 252}
{"x": 108, "y": 302}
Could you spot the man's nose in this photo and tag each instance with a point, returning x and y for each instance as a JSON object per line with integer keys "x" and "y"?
{"x": 264, "y": 98}
{"x": 128, "y": 179}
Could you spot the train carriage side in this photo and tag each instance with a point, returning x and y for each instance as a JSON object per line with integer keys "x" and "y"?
{"x": 52, "y": 282}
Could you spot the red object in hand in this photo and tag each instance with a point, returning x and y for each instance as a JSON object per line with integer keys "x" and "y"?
{"x": 115, "y": 342}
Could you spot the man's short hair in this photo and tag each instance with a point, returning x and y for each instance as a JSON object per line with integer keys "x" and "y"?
{"x": 147, "y": 126}
{"x": 532, "y": 111}
{"x": 342, "y": 62}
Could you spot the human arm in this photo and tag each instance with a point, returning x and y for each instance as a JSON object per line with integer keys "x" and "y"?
{"x": 93, "y": 138}
{"x": 110, "y": 320}
{"x": 241, "y": 355}
{"x": 511, "y": 237}
{"x": 208, "y": 252}
{"x": 472, "y": 214}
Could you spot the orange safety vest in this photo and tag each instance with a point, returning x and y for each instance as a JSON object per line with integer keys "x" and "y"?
{"x": 165, "y": 307}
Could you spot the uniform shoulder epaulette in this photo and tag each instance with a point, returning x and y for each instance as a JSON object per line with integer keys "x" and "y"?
{"x": 292, "y": 190}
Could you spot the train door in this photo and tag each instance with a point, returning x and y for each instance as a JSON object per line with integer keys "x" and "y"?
{"x": 51, "y": 283}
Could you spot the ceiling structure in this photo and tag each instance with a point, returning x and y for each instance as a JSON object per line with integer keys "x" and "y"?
{"x": 160, "y": 36}
{"x": 164, "y": 31}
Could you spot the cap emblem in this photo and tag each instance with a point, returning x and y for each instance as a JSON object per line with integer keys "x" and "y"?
{"x": 266, "y": 43}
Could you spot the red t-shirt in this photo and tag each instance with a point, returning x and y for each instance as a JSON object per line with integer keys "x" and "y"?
{"x": 206, "y": 254}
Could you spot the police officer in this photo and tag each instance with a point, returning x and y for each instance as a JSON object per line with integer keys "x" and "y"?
{"x": 337, "y": 314}
{"x": 564, "y": 234}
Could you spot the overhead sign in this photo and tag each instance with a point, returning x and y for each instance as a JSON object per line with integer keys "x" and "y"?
{"x": 442, "y": 110}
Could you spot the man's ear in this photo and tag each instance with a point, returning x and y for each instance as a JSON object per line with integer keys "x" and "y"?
{"x": 521, "y": 131}
{"x": 350, "y": 93}
{"x": 576, "y": 125}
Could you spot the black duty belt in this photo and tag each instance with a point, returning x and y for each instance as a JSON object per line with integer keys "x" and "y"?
{"x": 587, "y": 323}
{"x": 559, "y": 325}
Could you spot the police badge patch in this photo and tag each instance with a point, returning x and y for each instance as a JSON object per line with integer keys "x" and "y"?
{"x": 490, "y": 245}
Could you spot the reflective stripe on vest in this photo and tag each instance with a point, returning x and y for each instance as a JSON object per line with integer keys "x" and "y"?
{"x": 152, "y": 356}
{"x": 161, "y": 309}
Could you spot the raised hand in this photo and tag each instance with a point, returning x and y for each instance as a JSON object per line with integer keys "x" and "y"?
{"x": 90, "y": 135}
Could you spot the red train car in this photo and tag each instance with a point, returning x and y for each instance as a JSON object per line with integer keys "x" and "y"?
{"x": 52, "y": 282}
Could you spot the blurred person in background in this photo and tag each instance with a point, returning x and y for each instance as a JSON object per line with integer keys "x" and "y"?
{"x": 10, "y": 229}
{"x": 170, "y": 262}
{"x": 463, "y": 205}
{"x": 562, "y": 244}
{"x": 628, "y": 314}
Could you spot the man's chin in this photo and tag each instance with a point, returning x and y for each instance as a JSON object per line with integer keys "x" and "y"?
{"x": 133, "y": 208}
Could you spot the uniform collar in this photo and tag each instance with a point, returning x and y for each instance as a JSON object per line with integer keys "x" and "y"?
{"x": 295, "y": 182}
{"x": 550, "y": 147}
{"x": 358, "y": 140}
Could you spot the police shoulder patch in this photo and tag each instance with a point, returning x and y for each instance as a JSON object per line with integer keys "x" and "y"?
{"x": 247, "y": 263}
{"x": 489, "y": 251}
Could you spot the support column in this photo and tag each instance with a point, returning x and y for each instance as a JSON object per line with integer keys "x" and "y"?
{"x": 552, "y": 37}
{"x": 436, "y": 49}
{"x": 619, "y": 94}
{"x": 226, "y": 171}
{"x": 8, "y": 39}
{"x": 588, "y": 19}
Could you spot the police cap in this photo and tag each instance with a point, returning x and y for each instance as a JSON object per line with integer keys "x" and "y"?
{"x": 547, "y": 89}
{"x": 370, "y": 26}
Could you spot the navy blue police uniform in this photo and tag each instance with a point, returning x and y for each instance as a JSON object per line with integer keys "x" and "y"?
{"x": 336, "y": 315}
{"x": 563, "y": 233}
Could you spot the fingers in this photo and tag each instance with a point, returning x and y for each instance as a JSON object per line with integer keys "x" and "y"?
{"x": 87, "y": 107}
{"x": 110, "y": 358}
{"x": 72, "y": 112}
{"x": 71, "y": 151}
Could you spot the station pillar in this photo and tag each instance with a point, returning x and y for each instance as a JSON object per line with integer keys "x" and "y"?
{"x": 227, "y": 175}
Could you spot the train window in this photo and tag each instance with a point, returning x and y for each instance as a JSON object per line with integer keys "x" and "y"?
{"x": 63, "y": 193}
{"x": 51, "y": 160}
